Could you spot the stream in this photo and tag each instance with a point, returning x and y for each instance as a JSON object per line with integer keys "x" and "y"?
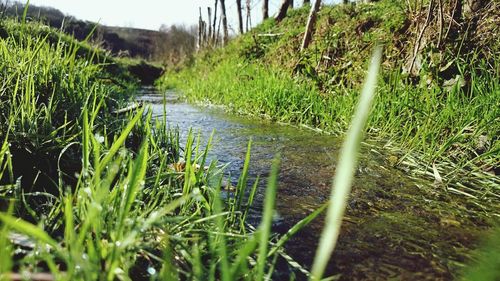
{"x": 395, "y": 226}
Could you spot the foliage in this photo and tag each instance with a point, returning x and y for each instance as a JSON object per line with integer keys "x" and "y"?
{"x": 451, "y": 123}
{"x": 486, "y": 260}
{"x": 109, "y": 196}
{"x": 169, "y": 45}
{"x": 87, "y": 194}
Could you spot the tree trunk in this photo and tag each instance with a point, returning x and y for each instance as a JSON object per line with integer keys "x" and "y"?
{"x": 217, "y": 38}
{"x": 345, "y": 2}
{"x": 204, "y": 28}
{"x": 225, "y": 37}
{"x": 200, "y": 31}
{"x": 209, "y": 37}
{"x": 310, "y": 25}
{"x": 265, "y": 9}
{"x": 240, "y": 18}
{"x": 215, "y": 20}
{"x": 285, "y": 4}
{"x": 249, "y": 18}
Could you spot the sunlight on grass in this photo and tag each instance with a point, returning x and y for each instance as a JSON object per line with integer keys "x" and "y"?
{"x": 345, "y": 170}
{"x": 89, "y": 192}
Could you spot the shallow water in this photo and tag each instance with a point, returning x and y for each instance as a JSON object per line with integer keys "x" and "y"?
{"x": 381, "y": 234}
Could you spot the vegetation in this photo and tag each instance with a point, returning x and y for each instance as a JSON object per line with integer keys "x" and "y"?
{"x": 436, "y": 111}
{"x": 92, "y": 191}
{"x": 166, "y": 46}
{"x": 179, "y": 45}
{"x": 89, "y": 194}
{"x": 443, "y": 111}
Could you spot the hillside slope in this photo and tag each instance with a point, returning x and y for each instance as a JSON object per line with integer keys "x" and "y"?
{"x": 88, "y": 185}
{"x": 438, "y": 91}
{"x": 134, "y": 42}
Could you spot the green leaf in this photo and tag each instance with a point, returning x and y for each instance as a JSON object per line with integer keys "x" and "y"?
{"x": 121, "y": 139}
{"x": 345, "y": 171}
{"x": 267, "y": 218}
{"x": 296, "y": 228}
{"x": 29, "y": 229}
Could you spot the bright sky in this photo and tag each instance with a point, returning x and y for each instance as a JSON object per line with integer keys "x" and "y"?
{"x": 151, "y": 14}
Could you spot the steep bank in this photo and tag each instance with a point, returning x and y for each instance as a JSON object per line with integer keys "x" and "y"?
{"x": 92, "y": 192}
{"x": 438, "y": 92}
{"x": 133, "y": 42}
{"x": 395, "y": 225}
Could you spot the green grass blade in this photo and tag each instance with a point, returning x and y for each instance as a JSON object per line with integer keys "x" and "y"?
{"x": 29, "y": 230}
{"x": 201, "y": 170}
{"x": 136, "y": 179}
{"x": 136, "y": 176}
{"x": 69, "y": 224}
{"x": 5, "y": 245}
{"x": 25, "y": 11}
{"x": 251, "y": 196}
{"x": 238, "y": 267}
{"x": 267, "y": 218}
{"x": 220, "y": 239}
{"x": 242, "y": 182}
{"x": 86, "y": 143}
{"x": 296, "y": 228}
{"x": 345, "y": 171}
{"x": 168, "y": 270}
{"x": 121, "y": 139}
{"x": 487, "y": 260}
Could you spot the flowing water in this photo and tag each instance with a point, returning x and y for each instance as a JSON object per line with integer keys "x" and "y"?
{"x": 394, "y": 225}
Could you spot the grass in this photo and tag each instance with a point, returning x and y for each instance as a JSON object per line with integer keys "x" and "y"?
{"x": 108, "y": 196}
{"x": 424, "y": 122}
{"x": 345, "y": 171}
{"x": 445, "y": 133}
{"x": 486, "y": 259}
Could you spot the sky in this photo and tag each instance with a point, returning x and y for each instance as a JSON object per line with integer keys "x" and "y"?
{"x": 150, "y": 14}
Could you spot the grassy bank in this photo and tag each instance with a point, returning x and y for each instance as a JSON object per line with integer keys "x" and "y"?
{"x": 90, "y": 194}
{"x": 443, "y": 113}
{"x": 87, "y": 193}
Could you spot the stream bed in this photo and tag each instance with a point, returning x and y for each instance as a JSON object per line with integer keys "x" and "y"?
{"x": 396, "y": 227}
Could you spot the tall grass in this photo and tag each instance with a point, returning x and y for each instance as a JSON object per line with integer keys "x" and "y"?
{"x": 428, "y": 120}
{"x": 109, "y": 196}
{"x": 345, "y": 171}
{"x": 453, "y": 128}
{"x": 132, "y": 202}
